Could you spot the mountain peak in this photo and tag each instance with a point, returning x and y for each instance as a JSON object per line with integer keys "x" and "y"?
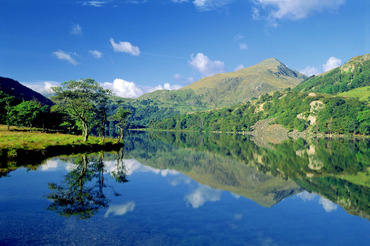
{"x": 239, "y": 86}
{"x": 270, "y": 62}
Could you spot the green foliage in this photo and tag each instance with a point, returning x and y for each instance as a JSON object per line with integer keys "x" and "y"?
{"x": 121, "y": 120}
{"x": 26, "y": 113}
{"x": 362, "y": 93}
{"x": 84, "y": 101}
{"x": 339, "y": 115}
{"x": 354, "y": 74}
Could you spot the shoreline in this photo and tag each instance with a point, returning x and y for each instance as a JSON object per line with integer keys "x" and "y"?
{"x": 294, "y": 134}
{"x": 22, "y": 148}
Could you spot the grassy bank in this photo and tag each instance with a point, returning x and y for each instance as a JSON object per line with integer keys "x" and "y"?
{"x": 22, "y": 146}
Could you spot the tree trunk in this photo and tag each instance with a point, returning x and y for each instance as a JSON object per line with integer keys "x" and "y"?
{"x": 120, "y": 133}
{"x": 86, "y": 135}
{"x": 85, "y": 131}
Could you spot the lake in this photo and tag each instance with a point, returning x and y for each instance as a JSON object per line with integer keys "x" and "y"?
{"x": 192, "y": 189}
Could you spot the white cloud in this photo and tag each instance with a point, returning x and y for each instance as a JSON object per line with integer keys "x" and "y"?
{"x": 241, "y": 66}
{"x": 94, "y": 3}
{"x": 76, "y": 29}
{"x": 166, "y": 86}
{"x": 123, "y": 88}
{"x": 331, "y": 63}
{"x": 125, "y": 47}
{"x": 120, "y": 209}
{"x": 44, "y": 87}
{"x": 206, "y": 5}
{"x": 293, "y": 9}
{"x": 202, "y": 195}
{"x": 49, "y": 165}
{"x": 255, "y": 13}
{"x": 126, "y": 89}
{"x": 243, "y": 46}
{"x": 306, "y": 196}
{"x": 62, "y": 55}
{"x": 97, "y": 54}
{"x": 206, "y": 66}
{"x": 310, "y": 71}
{"x": 327, "y": 205}
{"x": 180, "y": 1}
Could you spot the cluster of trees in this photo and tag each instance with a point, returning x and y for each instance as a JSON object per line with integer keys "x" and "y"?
{"x": 26, "y": 113}
{"x": 79, "y": 106}
{"x": 338, "y": 115}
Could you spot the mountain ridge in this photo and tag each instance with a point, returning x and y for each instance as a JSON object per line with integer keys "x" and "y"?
{"x": 351, "y": 75}
{"x": 21, "y": 92}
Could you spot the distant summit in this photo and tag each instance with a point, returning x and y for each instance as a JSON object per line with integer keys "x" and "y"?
{"x": 17, "y": 90}
{"x": 240, "y": 86}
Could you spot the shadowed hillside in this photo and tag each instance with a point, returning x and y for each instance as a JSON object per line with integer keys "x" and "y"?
{"x": 21, "y": 92}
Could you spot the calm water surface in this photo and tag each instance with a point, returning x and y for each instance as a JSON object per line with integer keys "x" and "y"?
{"x": 186, "y": 189}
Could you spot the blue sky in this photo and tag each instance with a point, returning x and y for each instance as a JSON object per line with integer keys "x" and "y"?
{"x": 137, "y": 46}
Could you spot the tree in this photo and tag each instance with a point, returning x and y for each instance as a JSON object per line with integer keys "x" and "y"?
{"x": 102, "y": 96}
{"x": 6, "y": 108}
{"x": 121, "y": 117}
{"x": 81, "y": 101}
{"x": 26, "y": 113}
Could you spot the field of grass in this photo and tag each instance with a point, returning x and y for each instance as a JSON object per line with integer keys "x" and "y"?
{"x": 363, "y": 93}
{"x": 20, "y": 147}
{"x": 18, "y": 139}
{"x": 361, "y": 178}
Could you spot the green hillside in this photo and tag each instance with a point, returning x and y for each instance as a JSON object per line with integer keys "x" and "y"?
{"x": 299, "y": 110}
{"x": 362, "y": 93}
{"x": 310, "y": 105}
{"x": 355, "y": 73}
{"x": 211, "y": 92}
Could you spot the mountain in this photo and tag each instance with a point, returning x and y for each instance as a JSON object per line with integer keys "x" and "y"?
{"x": 21, "y": 92}
{"x": 242, "y": 85}
{"x": 353, "y": 74}
{"x": 211, "y": 167}
{"x": 212, "y": 92}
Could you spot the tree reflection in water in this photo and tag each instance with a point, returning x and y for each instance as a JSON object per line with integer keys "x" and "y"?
{"x": 81, "y": 193}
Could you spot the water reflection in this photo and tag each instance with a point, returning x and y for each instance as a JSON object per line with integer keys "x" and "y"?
{"x": 81, "y": 193}
{"x": 338, "y": 170}
{"x": 331, "y": 172}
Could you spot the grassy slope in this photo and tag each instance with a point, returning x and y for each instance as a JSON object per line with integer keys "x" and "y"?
{"x": 362, "y": 93}
{"x": 240, "y": 86}
{"x": 353, "y": 74}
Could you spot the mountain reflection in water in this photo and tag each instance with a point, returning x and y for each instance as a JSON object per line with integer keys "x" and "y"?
{"x": 335, "y": 169}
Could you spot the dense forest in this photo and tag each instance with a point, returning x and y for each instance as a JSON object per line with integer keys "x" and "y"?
{"x": 300, "y": 110}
